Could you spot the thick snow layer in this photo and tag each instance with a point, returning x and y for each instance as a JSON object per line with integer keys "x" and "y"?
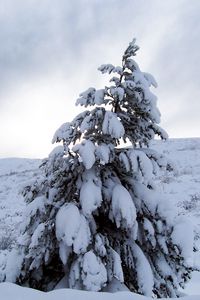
{"x": 103, "y": 152}
{"x": 123, "y": 208}
{"x": 9, "y": 291}
{"x": 112, "y": 126}
{"x": 90, "y": 193}
{"x": 72, "y": 229}
{"x": 68, "y": 223}
{"x": 86, "y": 151}
{"x": 95, "y": 275}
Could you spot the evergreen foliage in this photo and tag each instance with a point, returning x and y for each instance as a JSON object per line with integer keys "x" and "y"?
{"x": 96, "y": 216}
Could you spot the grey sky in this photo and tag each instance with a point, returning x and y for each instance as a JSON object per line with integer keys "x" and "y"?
{"x": 50, "y": 51}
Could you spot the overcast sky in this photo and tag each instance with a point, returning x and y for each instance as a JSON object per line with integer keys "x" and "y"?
{"x": 50, "y": 51}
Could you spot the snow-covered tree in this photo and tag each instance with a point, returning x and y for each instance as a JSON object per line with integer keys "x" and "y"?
{"x": 96, "y": 217}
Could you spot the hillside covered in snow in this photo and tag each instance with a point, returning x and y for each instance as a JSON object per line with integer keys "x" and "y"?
{"x": 180, "y": 186}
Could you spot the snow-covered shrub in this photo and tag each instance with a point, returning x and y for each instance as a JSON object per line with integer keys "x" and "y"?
{"x": 96, "y": 216}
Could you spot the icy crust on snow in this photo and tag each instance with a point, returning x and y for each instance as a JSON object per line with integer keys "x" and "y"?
{"x": 10, "y": 291}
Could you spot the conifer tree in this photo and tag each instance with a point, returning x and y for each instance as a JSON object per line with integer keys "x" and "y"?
{"x": 96, "y": 215}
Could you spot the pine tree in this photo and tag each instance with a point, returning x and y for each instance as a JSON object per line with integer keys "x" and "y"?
{"x": 96, "y": 216}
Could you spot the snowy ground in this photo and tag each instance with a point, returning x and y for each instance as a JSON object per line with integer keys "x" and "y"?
{"x": 10, "y": 291}
{"x": 14, "y": 172}
{"x": 181, "y": 187}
